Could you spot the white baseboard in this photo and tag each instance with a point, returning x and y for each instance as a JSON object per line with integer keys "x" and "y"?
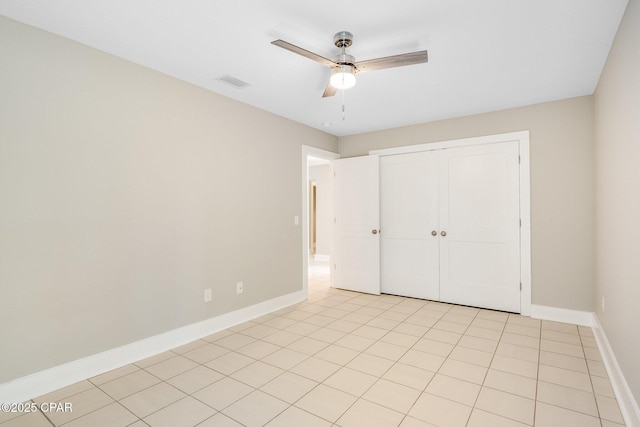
{"x": 576, "y": 317}
{"x": 626, "y": 402}
{"x": 628, "y": 405}
{"x": 39, "y": 383}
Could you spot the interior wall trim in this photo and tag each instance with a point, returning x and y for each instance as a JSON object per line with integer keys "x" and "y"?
{"x": 626, "y": 401}
{"x": 464, "y": 142}
{"x": 564, "y": 315}
{"x": 43, "y": 382}
{"x": 624, "y": 396}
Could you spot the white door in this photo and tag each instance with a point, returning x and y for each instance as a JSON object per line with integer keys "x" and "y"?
{"x": 409, "y": 225}
{"x": 356, "y": 252}
{"x": 479, "y": 226}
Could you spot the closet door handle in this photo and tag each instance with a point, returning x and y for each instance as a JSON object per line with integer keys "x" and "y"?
{"x": 443, "y": 233}
{"x": 434, "y": 233}
{"x": 374, "y": 231}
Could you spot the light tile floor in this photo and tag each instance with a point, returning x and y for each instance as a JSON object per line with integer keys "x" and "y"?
{"x": 351, "y": 360}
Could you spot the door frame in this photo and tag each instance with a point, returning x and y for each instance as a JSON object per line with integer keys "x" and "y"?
{"x": 308, "y": 151}
{"x": 525, "y": 194}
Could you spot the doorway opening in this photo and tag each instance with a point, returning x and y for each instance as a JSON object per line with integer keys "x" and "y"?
{"x": 317, "y": 218}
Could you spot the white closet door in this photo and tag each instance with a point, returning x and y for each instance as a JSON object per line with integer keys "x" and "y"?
{"x": 479, "y": 226}
{"x": 409, "y": 216}
{"x": 356, "y": 252}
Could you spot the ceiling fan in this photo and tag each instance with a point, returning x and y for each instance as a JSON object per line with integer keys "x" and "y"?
{"x": 344, "y": 66}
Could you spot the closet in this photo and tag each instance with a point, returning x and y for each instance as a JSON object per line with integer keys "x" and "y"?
{"x": 450, "y": 225}
{"x": 445, "y": 221}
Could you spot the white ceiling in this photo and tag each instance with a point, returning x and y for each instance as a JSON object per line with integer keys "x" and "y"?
{"x": 484, "y": 55}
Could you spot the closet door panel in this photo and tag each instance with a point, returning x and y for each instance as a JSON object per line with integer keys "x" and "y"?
{"x": 407, "y": 269}
{"x": 479, "y": 216}
{"x": 409, "y": 215}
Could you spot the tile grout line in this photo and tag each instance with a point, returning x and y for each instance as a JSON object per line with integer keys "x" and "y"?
{"x": 535, "y": 395}
{"x": 382, "y": 375}
{"x": 487, "y": 373}
{"x": 593, "y": 390}
{"x": 363, "y": 393}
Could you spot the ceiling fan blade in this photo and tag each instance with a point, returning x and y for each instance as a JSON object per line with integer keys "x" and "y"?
{"x": 401, "y": 60}
{"x": 329, "y": 91}
{"x": 307, "y": 54}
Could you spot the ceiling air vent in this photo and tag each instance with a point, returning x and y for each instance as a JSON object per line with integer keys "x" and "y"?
{"x": 232, "y": 81}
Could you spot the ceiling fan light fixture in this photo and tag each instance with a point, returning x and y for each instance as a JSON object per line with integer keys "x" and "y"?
{"x": 344, "y": 66}
{"x": 343, "y": 77}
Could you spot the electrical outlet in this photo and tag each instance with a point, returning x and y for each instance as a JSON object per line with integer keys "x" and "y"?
{"x": 239, "y": 288}
{"x": 603, "y": 304}
{"x": 207, "y": 295}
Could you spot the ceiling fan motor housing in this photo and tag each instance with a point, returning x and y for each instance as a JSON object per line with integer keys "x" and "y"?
{"x": 344, "y": 59}
{"x": 343, "y": 39}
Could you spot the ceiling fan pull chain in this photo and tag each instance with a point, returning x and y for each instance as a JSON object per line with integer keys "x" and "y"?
{"x": 343, "y": 113}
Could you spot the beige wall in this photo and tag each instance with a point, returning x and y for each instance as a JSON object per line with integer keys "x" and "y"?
{"x": 617, "y": 131}
{"x": 562, "y": 199}
{"x": 124, "y": 193}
